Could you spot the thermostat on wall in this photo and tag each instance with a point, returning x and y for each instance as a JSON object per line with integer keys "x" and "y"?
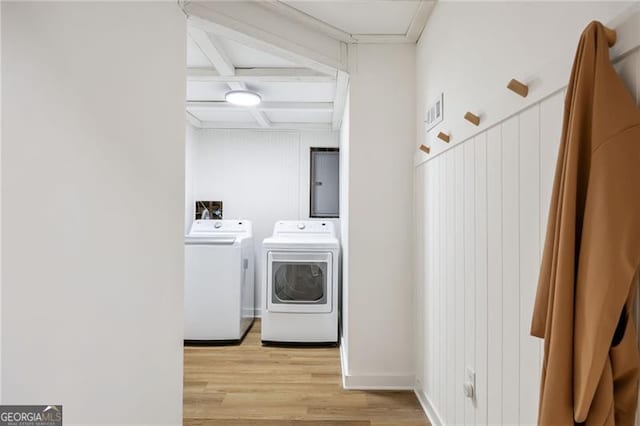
{"x": 434, "y": 113}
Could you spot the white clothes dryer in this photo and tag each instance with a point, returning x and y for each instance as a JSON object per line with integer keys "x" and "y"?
{"x": 300, "y": 283}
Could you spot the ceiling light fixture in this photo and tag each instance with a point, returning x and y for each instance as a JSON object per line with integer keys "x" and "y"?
{"x": 243, "y": 98}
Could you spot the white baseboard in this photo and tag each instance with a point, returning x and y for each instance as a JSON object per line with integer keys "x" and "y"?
{"x": 257, "y": 312}
{"x": 372, "y": 381}
{"x": 343, "y": 360}
{"x": 377, "y": 382}
{"x": 429, "y": 409}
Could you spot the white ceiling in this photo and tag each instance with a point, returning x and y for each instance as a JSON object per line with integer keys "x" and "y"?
{"x": 287, "y": 95}
{"x": 206, "y": 91}
{"x": 297, "y": 92}
{"x": 195, "y": 57}
{"x": 362, "y": 16}
{"x": 241, "y": 56}
{"x": 270, "y": 92}
{"x": 293, "y": 96}
{"x": 216, "y": 115}
{"x": 286, "y": 104}
{"x": 245, "y": 57}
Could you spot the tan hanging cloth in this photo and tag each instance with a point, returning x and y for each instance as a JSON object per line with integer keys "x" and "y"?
{"x": 584, "y": 304}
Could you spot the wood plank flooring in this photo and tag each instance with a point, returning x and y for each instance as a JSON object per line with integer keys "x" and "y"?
{"x": 267, "y": 386}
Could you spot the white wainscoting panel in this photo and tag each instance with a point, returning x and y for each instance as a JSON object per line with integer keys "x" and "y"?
{"x": 481, "y": 214}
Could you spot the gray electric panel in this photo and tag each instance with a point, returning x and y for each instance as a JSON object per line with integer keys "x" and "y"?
{"x": 325, "y": 174}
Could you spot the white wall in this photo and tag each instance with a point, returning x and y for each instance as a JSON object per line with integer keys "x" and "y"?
{"x": 262, "y": 176}
{"x": 1, "y": 313}
{"x": 189, "y": 161}
{"x": 344, "y": 229}
{"x": 378, "y": 290}
{"x": 490, "y": 43}
{"x": 481, "y": 210}
{"x": 92, "y": 209}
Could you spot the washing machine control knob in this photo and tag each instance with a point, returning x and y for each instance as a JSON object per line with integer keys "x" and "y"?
{"x": 301, "y": 226}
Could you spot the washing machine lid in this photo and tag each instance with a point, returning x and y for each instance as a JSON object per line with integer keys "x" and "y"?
{"x": 218, "y": 231}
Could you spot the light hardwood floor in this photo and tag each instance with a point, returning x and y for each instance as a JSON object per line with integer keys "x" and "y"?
{"x": 254, "y": 385}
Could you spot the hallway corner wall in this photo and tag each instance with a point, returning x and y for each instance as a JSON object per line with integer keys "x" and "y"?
{"x": 379, "y": 282}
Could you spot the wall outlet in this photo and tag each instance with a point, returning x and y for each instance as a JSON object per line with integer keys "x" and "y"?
{"x": 470, "y": 383}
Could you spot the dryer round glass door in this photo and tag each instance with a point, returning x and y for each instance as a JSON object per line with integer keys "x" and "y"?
{"x": 299, "y": 282}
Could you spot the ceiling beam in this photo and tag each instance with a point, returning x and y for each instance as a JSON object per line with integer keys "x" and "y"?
{"x": 260, "y": 75}
{"x": 340, "y": 99}
{"x": 274, "y": 126}
{"x": 193, "y": 120}
{"x": 310, "y": 49}
{"x": 211, "y": 48}
{"x": 265, "y": 106}
{"x": 382, "y": 39}
{"x": 419, "y": 20}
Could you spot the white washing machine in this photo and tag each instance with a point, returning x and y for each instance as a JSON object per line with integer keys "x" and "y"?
{"x": 300, "y": 283}
{"x": 219, "y": 281}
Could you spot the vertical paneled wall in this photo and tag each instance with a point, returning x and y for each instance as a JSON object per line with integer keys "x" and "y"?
{"x": 481, "y": 213}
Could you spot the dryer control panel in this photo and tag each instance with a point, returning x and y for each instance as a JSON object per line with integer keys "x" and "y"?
{"x": 304, "y": 227}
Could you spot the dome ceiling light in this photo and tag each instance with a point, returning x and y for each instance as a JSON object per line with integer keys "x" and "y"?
{"x": 243, "y": 98}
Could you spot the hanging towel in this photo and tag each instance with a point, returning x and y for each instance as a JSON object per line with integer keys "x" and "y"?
{"x": 585, "y": 298}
